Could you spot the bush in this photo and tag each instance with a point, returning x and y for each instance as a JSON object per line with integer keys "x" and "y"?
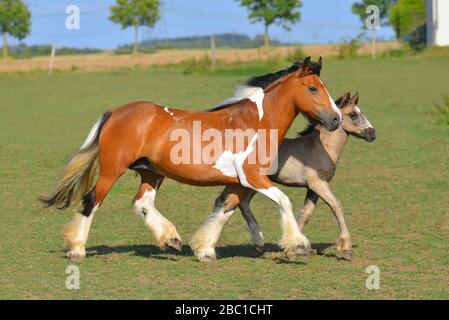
{"x": 349, "y": 49}
{"x": 197, "y": 66}
{"x": 296, "y": 54}
{"x": 442, "y": 111}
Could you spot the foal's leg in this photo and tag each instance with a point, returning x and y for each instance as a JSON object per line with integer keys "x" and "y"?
{"x": 323, "y": 190}
{"x": 143, "y": 204}
{"x": 77, "y": 232}
{"x": 204, "y": 240}
{"x": 253, "y": 225}
{"x": 307, "y": 210}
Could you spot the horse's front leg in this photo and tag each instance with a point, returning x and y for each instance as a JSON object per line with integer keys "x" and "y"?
{"x": 293, "y": 241}
{"x": 344, "y": 246}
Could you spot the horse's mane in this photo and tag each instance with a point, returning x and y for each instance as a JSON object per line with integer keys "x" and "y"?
{"x": 260, "y": 83}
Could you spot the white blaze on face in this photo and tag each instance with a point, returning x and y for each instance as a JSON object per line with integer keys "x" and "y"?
{"x": 366, "y": 124}
{"x": 334, "y": 106}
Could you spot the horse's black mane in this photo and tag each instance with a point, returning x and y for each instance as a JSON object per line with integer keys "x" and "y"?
{"x": 269, "y": 78}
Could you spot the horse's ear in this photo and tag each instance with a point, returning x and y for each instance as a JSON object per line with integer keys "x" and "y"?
{"x": 306, "y": 68}
{"x": 319, "y": 64}
{"x": 355, "y": 98}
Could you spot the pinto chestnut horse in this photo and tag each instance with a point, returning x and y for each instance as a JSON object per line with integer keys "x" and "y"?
{"x": 139, "y": 136}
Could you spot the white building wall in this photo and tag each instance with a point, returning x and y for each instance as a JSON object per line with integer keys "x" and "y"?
{"x": 438, "y": 22}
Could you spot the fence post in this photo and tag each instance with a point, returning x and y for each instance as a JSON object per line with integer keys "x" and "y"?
{"x": 373, "y": 45}
{"x": 52, "y": 60}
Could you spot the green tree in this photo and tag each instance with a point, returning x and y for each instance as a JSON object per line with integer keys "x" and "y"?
{"x": 280, "y": 12}
{"x": 135, "y": 13}
{"x": 407, "y": 15}
{"x": 15, "y": 20}
{"x": 359, "y": 8}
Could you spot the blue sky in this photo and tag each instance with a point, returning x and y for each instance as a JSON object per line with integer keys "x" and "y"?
{"x": 322, "y": 21}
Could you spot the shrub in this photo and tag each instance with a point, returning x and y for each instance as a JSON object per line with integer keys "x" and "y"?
{"x": 197, "y": 66}
{"x": 348, "y": 49}
{"x": 296, "y": 54}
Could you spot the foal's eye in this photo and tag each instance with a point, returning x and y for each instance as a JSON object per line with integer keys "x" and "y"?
{"x": 353, "y": 115}
{"x": 313, "y": 89}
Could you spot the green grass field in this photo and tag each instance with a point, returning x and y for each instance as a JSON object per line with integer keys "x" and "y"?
{"x": 395, "y": 193}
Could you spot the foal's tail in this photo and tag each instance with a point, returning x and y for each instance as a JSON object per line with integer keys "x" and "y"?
{"x": 79, "y": 174}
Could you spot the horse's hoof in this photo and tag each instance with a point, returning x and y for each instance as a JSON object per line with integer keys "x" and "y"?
{"x": 346, "y": 254}
{"x": 208, "y": 259}
{"x": 75, "y": 256}
{"x": 260, "y": 248}
{"x": 303, "y": 250}
{"x": 174, "y": 243}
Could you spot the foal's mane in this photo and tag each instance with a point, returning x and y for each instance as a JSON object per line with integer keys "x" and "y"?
{"x": 261, "y": 82}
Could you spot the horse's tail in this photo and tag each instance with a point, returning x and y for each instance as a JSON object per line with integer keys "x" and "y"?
{"x": 78, "y": 177}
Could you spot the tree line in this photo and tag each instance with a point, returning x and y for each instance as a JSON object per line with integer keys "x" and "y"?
{"x": 403, "y": 15}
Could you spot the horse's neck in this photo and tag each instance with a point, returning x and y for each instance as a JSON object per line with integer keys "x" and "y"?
{"x": 334, "y": 142}
{"x": 279, "y": 111}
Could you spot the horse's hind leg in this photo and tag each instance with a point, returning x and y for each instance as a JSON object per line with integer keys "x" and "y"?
{"x": 77, "y": 232}
{"x": 204, "y": 240}
{"x": 253, "y": 226}
{"x": 143, "y": 204}
{"x": 307, "y": 210}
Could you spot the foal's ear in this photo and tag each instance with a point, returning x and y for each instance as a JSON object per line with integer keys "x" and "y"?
{"x": 355, "y": 98}
{"x": 344, "y": 100}
{"x": 306, "y": 68}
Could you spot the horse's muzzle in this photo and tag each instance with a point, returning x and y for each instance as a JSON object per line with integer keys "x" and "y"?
{"x": 369, "y": 134}
{"x": 330, "y": 120}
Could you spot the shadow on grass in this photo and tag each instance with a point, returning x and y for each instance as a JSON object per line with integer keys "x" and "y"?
{"x": 231, "y": 251}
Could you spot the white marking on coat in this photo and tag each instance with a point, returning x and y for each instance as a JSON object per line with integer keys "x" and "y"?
{"x": 255, "y": 94}
{"x": 168, "y": 111}
{"x": 231, "y": 164}
{"x": 257, "y": 97}
{"x": 84, "y": 224}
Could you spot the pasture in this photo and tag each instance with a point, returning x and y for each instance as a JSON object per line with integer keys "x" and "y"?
{"x": 395, "y": 193}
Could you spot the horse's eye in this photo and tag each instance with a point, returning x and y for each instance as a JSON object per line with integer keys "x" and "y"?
{"x": 353, "y": 115}
{"x": 313, "y": 89}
